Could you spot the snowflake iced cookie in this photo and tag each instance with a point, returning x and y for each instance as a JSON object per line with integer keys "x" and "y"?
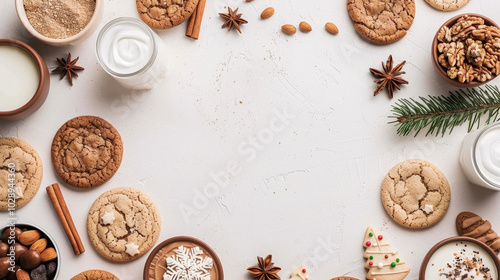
{"x": 382, "y": 261}
{"x": 183, "y": 258}
{"x": 123, "y": 224}
{"x": 415, "y": 193}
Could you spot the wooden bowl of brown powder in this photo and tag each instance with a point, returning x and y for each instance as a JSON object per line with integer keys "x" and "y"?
{"x": 60, "y": 22}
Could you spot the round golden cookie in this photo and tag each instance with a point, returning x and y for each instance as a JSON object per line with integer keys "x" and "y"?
{"x": 415, "y": 193}
{"x": 123, "y": 224}
{"x": 87, "y": 151}
{"x": 95, "y": 274}
{"x": 164, "y": 14}
{"x": 21, "y": 172}
{"x": 447, "y": 5}
{"x": 382, "y": 21}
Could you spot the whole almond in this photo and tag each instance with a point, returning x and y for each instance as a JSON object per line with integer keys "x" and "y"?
{"x": 22, "y": 275}
{"x": 289, "y": 29}
{"x": 267, "y": 13}
{"x": 48, "y": 254}
{"x": 332, "y": 28}
{"x": 305, "y": 27}
{"x": 39, "y": 245}
{"x": 29, "y": 237}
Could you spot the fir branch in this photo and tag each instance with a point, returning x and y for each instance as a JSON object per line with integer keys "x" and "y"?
{"x": 442, "y": 113}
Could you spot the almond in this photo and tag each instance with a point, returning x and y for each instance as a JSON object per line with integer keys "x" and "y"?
{"x": 305, "y": 27}
{"x": 289, "y": 29}
{"x": 48, "y": 255}
{"x": 29, "y": 237}
{"x": 22, "y": 275}
{"x": 39, "y": 245}
{"x": 332, "y": 28}
{"x": 267, "y": 13}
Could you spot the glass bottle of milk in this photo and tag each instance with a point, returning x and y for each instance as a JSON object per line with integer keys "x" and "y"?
{"x": 132, "y": 53}
{"x": 480, "y": 156}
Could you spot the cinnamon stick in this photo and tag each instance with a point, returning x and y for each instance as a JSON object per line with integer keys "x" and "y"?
{"x": 192, "y": 19}
{"x": 194, "y": 25}
{"x": 64, "y": 215}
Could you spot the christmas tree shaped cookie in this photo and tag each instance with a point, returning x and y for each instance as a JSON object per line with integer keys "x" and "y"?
{"x": 383, "y": 262}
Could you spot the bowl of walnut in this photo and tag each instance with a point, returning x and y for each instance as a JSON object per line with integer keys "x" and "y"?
{"x": 466, "y": 50}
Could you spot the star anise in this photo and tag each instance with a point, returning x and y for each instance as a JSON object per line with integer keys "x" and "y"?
{"x": 265, "y": 270}
{"x": 390, "y": 78}
{"x": 68, "y": 67}
{"x": 232, "y": 19}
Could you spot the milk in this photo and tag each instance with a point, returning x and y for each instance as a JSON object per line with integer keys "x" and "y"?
{"x": 480, "y": 157}
{"x": 447, "y": 254}
{"x": 132, "y": 53}
{"x": 19, "y": 77}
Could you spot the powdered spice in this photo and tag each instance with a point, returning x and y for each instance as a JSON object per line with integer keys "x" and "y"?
{"x": 59, "y": 19}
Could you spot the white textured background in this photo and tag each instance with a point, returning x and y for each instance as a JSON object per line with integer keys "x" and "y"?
{"x": 307, "y": 194}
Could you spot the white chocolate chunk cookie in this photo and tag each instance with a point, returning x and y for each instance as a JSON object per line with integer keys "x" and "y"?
{"x": 134, "y": 229}
{"x": 21, "y": 168}
{"x": 415, "y": 193}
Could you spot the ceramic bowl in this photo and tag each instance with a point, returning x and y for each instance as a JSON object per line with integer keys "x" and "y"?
{"x": 440, "y": 69}
{"x": 156, "y": 263}
{"x": 43, "y": 86}
{"x": 443, "y": 257}
{"x": 73, "y": 40}
{"x": 44, "y": 234}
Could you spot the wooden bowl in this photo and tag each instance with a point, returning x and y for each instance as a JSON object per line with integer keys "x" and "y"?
{"x": 440, "y": 69}
{"x": 43, "y": 86}
{"x": 454, "y": 241}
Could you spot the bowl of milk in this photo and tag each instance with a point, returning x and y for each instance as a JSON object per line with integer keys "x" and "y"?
{"x": 24, "y": 80}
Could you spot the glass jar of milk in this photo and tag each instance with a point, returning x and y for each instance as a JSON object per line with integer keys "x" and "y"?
{"x": 132, "y": 53}
{"x": 480, "y": 156}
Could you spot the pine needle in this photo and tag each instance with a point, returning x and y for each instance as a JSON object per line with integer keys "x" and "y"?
{"x": 443, "y": 113}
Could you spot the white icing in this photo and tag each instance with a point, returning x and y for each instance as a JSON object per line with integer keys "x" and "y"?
{"x": 428, "y": 209}
{"x": 188, "y": 264}
{"x": 108, "y": 218}
{"x": 132, "y": 249}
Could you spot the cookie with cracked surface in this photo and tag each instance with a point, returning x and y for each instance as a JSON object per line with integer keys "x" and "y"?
{"x": 87, "y": 151}
{"x": 447, "y": 5}
{"x": 164, "y": 14}
{"x": 382, "y": 21}
{"x": 123, "y": 224}
{"x": 19, "y": 164}
{"x": 415, "y": 193}
{"x": 95, "y": 274}
{"x": 472, "y": 225}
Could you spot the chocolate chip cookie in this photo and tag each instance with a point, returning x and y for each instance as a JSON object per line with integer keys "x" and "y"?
{"x": 87, "y": 151}
{"x": 447, "y": 5}
{"x": 382, "y": 21}
{"x": 472, "y": 225}
{"x": 415, "y": 193}
{"x": 123, "y": 224}
{"x": 95, "y": 274}
{"x": 20, "y": 172}
{"x": 166, "y": 13}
